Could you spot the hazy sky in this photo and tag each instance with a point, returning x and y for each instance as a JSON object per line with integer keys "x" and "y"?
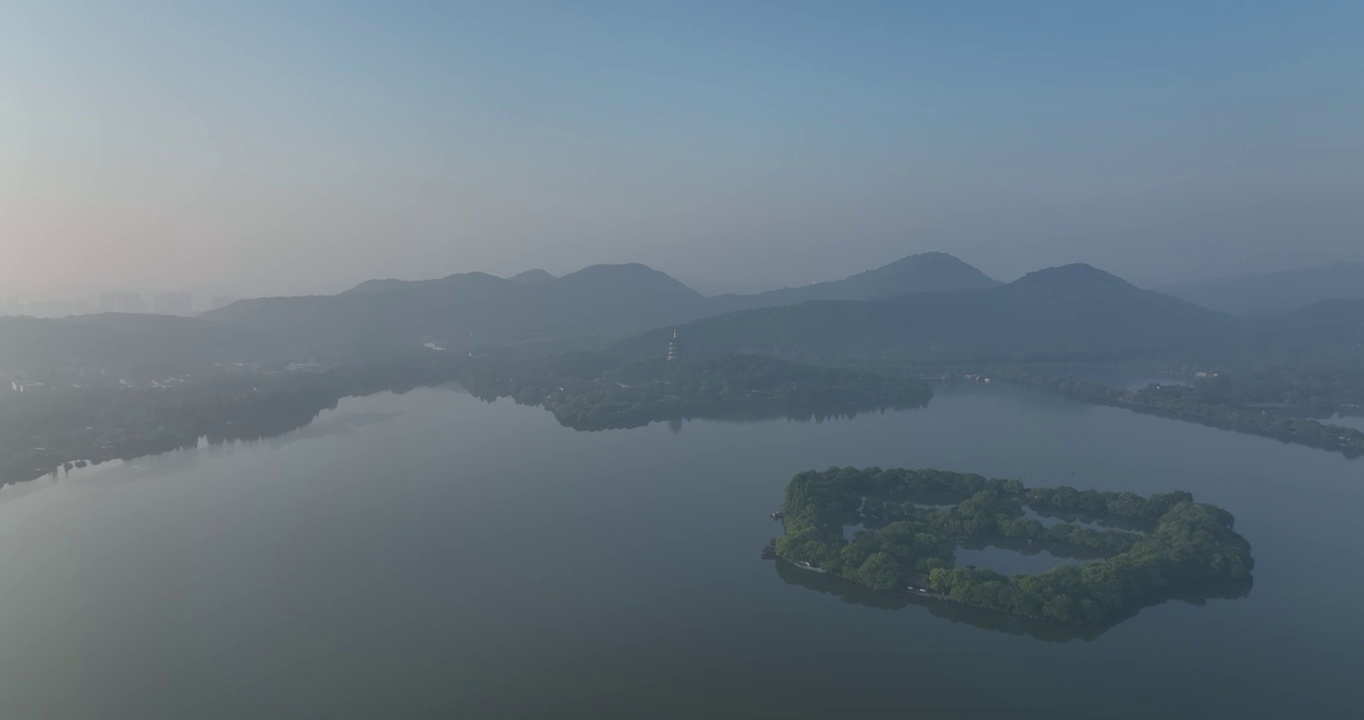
{"x": 288, "y": 147}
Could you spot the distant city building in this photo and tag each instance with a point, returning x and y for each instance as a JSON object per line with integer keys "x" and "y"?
{"x": 122, "y": 302}
{"x": 222, "y": 301}
{"x": 174, "y": 303}
{"x": 43, "y": 308}
{"x": 84, "y": 307}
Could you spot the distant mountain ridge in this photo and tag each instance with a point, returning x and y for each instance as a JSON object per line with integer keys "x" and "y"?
{"x": 923, "y": 308}
{"x": 534, "y": 275}
{"x": 1068, "y": 312}
{"x": 1275, "y": 293}
{"x": 592, "y": 305}
{"x": 925, "y": 272}
{"x": 1337, "y": 324}
{"x": 466, "y": 310}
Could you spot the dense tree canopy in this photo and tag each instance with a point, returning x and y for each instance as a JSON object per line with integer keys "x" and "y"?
{"x": 907, "y": 532}
{"x": 1276, "y": 402}
{"x": 41, "y": 430}
{"x": 589, "y": 391}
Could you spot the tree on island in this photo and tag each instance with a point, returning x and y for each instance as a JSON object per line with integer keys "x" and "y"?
{"x": 1157, "y": 548}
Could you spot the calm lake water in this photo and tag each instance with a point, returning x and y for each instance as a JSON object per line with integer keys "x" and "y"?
{"x": 1353, "y": 421}
{"x": 433, "y": 555}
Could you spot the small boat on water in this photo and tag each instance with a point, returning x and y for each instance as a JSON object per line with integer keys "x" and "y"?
{"x": 804, "y": 565}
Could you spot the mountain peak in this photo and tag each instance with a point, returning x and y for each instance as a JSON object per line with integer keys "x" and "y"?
{"x": 922, "y": 272}
{"x": 626, "y": 277}
{"x": 931, "y": 256}
{"x": 380, "y": 285}
{"x": 529, "y": 277}
{"x": 927, "y": 267}
{"x": 1275, "y": 293}
{"x": 1072, "y": 273}
{"x": 1074, "y": 280}
{"x": 618, "y": 269}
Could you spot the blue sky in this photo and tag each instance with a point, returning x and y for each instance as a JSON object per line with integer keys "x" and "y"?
{"x": 284, "y": 147}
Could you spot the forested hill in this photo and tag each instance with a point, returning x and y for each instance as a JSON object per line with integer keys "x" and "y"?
{"x": 1276, "y": 293}
{"x": 381, "y": 319}
{"x": 931, "y": 272}
{"x": 1070, "y": 312}
{"x": 587, "y": 308}
{"x": 534, "y": 275}
{"x": 473, "y": 310}
{"x": 1319, "y": 331}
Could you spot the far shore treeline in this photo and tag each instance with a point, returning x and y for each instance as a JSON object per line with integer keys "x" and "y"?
{"x": 42, "y": 432}
{"x": 590, "y": 347}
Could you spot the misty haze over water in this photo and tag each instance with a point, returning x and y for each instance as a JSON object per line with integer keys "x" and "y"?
{"x": 712, "y": 359}
{"x": 543, "y": 571}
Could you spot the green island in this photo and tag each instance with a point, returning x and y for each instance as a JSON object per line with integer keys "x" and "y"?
{"x": 1156, "y": 548}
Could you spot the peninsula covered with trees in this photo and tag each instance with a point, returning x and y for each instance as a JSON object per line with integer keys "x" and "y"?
{"x": 45, "y": 429}
{"x": 593, "y": 391}
{"x": 1153, "y": 548}
{"x": 1280, "y": 403}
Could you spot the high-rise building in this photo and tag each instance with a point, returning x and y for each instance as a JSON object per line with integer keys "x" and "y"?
{"x": 174, "y": 303}
{"x": 37, "y": 308}
{"x": 59, "y": 308}
{"x": 84, "y": 307}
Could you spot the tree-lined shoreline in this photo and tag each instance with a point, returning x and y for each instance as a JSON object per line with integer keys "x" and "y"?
{"x": 1185, "y": 544}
